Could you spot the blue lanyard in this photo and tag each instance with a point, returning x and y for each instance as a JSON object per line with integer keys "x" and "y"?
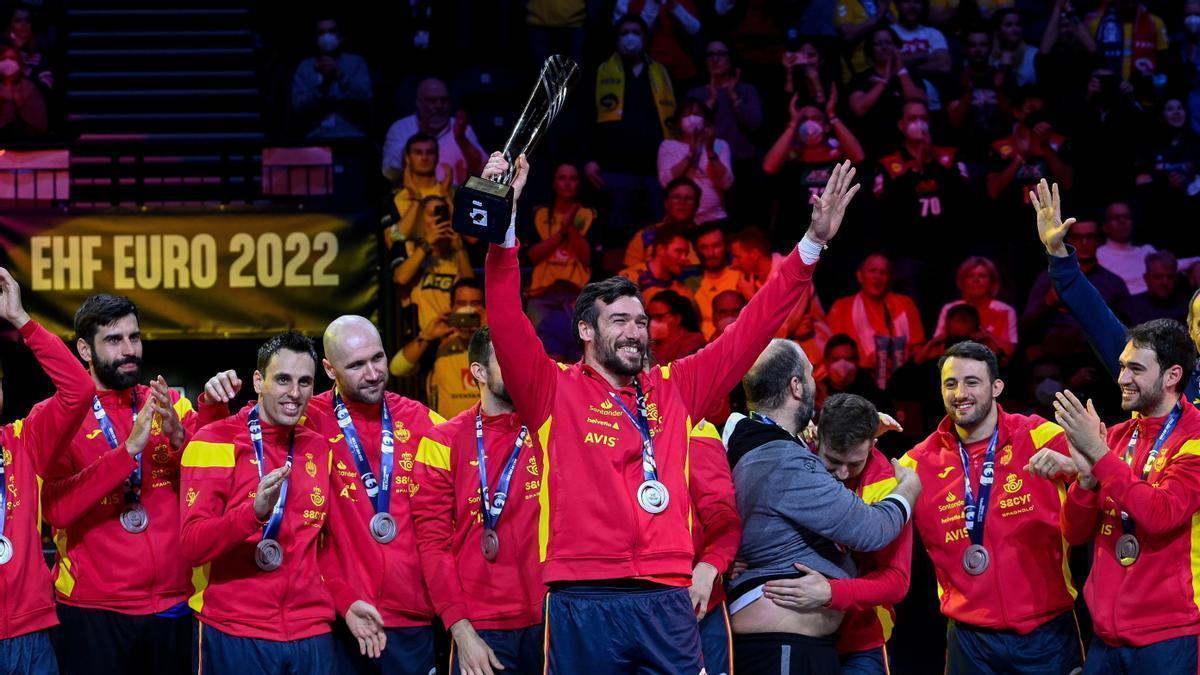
{"x": 134, "y": 494}
{"x": 974, "y": 511}
{"x": 492, "y": 508}
{"x": 1168, "y": 426}
{"x": 379, "y": 498}
{"x": 271, "y": 529}
{"x": 649, "y": 467}
{"x": 755, "y": 415}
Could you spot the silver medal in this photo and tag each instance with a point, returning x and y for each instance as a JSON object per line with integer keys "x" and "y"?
{"x": 490, "y": 544}
{"x": 1128, "y": 550}
{"x": 976, "y": 559}
{"x": 6, "y": 549}
{"x": 383, "y": 527}
{"x": 268, "y": 555}
{"x": 135, "y": 519}
{"x": 653, "y": 497}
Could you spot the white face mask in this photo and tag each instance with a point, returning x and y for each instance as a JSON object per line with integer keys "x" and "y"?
{"x": 9, "y": 67}
{"x": 328, "y": 42}
{"x": 842, "y": 370}
{"x": 691, "y": 124}
{"x": 1192, "y": 23}
{"x": 630, "y": 43}
{"x": 811, "y": 132}
{"x": 917, "y": 130}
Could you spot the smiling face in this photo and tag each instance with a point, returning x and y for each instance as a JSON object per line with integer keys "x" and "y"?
{"x": 620, "y": 340}
{"x": 1174, "y": 113}
{"x": 285, "y": 388}
{"x": 356, "y": 361}
{"x": 968, "y": 392}
{"x": 566, "y": 182}
{"x": 1142, "y": 380}
{"x": 976, "y": 283}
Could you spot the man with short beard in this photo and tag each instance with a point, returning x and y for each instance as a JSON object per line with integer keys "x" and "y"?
{"x": 1136, "y": 498}
{"x": 613, "y": 530}
{"x": 122, "y": 584}
{"x": 797, "y": 513}
{"x": 476, "y": 514}
{"x": 374, "y": 435}
{"x": 716, "y": 274}
{"x": 1006, "y": 589}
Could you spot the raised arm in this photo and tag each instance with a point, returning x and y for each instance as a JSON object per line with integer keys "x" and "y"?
{"x": 529, "y": 373}
{"x": 709, "y": 374}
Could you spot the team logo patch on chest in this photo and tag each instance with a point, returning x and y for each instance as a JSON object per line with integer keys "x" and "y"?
{"x": 403, "y": 435}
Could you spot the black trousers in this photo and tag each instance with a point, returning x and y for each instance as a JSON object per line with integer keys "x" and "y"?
{"x": 100, "y": 642}
{"x": 784, "y": 654}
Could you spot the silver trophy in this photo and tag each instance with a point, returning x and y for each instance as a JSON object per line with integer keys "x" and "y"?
{"x": 483, "y": 207}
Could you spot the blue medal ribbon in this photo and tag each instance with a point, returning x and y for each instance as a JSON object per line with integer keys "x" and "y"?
{"x": 1168, "y": 426}
{"x": 975, "y": 511}
{"x": 134, "y": 494}
{"x": 642, "y": 423}
{"x": 491, "y": 509}
{"x": 271, "y": 529}
{"x": 379, "y": 498}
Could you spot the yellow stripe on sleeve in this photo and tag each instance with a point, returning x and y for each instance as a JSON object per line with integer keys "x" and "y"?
{"x": 183, "y": 406}
{"x": 1191, "y": 447}
{"x": 874, "y": 492}
{"x": 705, "y": 430}
{"x": 908, "y": 462}
{"x": 1195, "y": 559}
{"x": 433, "y": 454}
{"x": 544, "y": 492}
{"x": 206, "y": 455}
{"x": 434, "y": 417}
{"x": 1042, "y": 434}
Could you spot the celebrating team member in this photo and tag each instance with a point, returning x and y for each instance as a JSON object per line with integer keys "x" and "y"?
{"x": 1007, "y": 589}
{"x": 848, "y": 453}
{"x": 619, "y": 552}
{"x": 29, "y": 446}
{"x": 476, "y": 514}
{"x": 1137, "y": 497}
{"x": 256, "y": 492}
{"x": 122, "y": 586}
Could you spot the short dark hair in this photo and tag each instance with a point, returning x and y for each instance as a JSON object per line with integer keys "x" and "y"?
{"x": 963, "y": 310}
{"x": 840, "y": 340}
{"x": 480, "y": 347}
{"x": 753, "y": 237}
{"x": 847, "y": 420}
{"x": 606, "y": 291}
{"x": 680, "y": 307}
{"x": 419, "y": 137}
{"x": 467, "y": 282}
{"x": 969, "y": 349}
{"x": 632, "y": 18}
{"x": 769, "y": 380}
{"x": 101, "y": 310}
{"x": 289, "y": 340}
{"x": 685, "y": 182}
{"x": 666, "y": 234}
{"x": 1171, "y": 344}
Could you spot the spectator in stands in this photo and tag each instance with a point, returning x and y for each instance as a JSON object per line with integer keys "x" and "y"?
{"x": 877, "y": 95}
{"x": 806, "y": 326}
{"x": 1118, "y": 254}
{"x": 1032, "y": 152}
{"x": 434, "y": 260}
{"x": 22, "y": 107}
{"x": 810, "y": 146}
{"x": 976, "y": 99}
{"x": 449, "y": 385}
{"x": 420, "y": 179}
{"x": 663, "y": 269}
{"x": 556, "y": 27}
{"x": 674, "y": 327}
{"x": 753, "y": 259}
{"x": 21, "y": 34}
{"x": 679, "y": 213}
{"x": 1107, "y": 130}
{"x": 857, "y": 22}
{"x": 1068, "y": 54}
{"x": 841, "y": 374}
{"x": 923, "y": 49}
{"x": 716, "y": 274}
{"x": 1164, "y": 298}
{"x": 1045, "y": 322}
{"x": 886, "y": 326}
{"x": 979, "y": 282}
{"x": 808, "y": 77}
{"x": 962, "y": 322}
{"x": 1010, "y": 53}
{"x": 562, "y": 263}
{"x": 634, "y": 103}
{"x": 736, "y": 106}
{"x": 726, "y": 307}
{"x": 1131, "y": 41}
{"x": 331, "y": 91}
{"x": 673, "y": 25}
{"x": 699, "y": 155}
{"x": 1167, "y": 176}
{"x": 1184, "y": 63}
{"x": 457, "y": 144}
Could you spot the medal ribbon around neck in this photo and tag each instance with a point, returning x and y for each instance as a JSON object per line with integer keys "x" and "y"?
{"x": 975, "y": 511}
{"x": 380, "y": 498}
{"x": 271, "y": 529}
{"x": 492, "y": 509}
{"x": 134, "y": 494}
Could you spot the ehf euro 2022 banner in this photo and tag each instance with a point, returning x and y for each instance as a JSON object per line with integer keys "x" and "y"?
{"x": 194, "y": 276}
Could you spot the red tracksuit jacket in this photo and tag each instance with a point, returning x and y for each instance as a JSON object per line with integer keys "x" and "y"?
{"x": 869, "y": 599}
{"x": 355, "y": 566}
{"x": 591, "y": 526}
{"x": 219, "y": 532}
{"x": 1028, "y": 581}
{"x": 716, "y": 525}
{"x": 100, "y": 565}
{"x": 30, "y": 446}
{"x": 1155, "y": 598}
{"x": 504, "y": 594}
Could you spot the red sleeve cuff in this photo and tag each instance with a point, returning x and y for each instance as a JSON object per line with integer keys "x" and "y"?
{"x": 1109, "y": 468}
{"x": 453, "y": 614}
{"x": 343, "y": 597}
{"x": 841, "y": 596}
{"x": 721, "y": 563}
{"x": 31, "y": 326}
{"x": 1088, "y": 499}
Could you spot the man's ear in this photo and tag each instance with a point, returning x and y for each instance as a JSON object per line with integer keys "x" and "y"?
{"x": 258, "y": 382}
{"x": 84, "y": 350}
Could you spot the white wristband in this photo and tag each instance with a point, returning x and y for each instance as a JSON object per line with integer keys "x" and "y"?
{"x": 510, "y": 237}
{"x": 810, "y": 250}
{"x": 905, "y": 507}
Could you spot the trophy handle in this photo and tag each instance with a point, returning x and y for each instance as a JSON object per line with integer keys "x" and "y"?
{"x": 558, "y": 75}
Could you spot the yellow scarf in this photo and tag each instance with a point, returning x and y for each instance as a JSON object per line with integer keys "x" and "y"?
{"x": 610, "y": 92}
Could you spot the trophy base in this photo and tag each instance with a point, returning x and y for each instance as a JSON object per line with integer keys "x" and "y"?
{"x": 483, "y": 209}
